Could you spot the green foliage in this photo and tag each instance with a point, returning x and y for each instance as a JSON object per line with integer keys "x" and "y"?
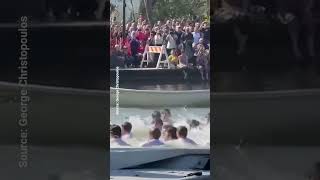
{"x": 164, "y": 9}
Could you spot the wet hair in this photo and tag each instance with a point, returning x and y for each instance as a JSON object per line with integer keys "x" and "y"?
{"x": 172, "y": 132}
{"x": 127, "y": 126}
{"x": 182, "y": 131}
{"x": 155, "y": 133}
{"x": 167, "y": 111}
{"x": 156, "y": 115}
{"x": 115, "y": 131}
{"x": 193, "y": 123}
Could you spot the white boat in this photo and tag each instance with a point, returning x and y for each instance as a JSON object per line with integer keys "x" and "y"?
{"x": 158, "y": 98}
{"x": 156, "y": 174}
{"x": 124, "y": 158}
{"x": 159, "y": 163}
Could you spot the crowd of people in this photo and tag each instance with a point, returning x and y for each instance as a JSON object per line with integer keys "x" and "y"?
{"x": 161, "y": 133}
{"x": 187, "y": 43}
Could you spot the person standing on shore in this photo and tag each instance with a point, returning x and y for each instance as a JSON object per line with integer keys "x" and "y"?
{"x": 171, "y": 41}
{"x": 134, "y": 44}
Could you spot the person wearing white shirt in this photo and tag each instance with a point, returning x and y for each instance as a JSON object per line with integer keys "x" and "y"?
{"x": 171, "y": 39}
{"x": 115, "y": 137}
{"x": 154, "y": 135}
{"x": 158, "y": 39}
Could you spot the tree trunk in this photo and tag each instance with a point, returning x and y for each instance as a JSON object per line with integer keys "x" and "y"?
{"x": 147, "y": 4}
{"x": 133, "y": 13}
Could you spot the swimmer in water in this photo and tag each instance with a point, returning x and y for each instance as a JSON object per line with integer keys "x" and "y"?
{"x": 156, "y": 120}
{"x": 166, "y": 116}
{"x": 154, "y": 135}
{"x": 155, "y": 115}
{"x": 193, "y": 123}
{"x": 126, "y": 130}
{"x": 170, "y": 134}
{"x": 163, "y": 131}
{"x": 182, "y": 133}
{"x": 115, "y": 136}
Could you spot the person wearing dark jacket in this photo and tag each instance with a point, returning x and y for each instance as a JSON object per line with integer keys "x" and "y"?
{"x": 134, "y": 45}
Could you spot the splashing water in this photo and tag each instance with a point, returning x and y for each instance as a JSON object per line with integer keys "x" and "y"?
{"x": 141, "y": 122}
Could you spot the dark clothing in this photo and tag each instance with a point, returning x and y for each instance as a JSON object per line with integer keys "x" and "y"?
{"x": 151, "y": 41}
{"x": 179, "y": 35}
{"x": 206, "y": 34}
{"x": 134, "y": 44}
{"x": 187, "y": 37}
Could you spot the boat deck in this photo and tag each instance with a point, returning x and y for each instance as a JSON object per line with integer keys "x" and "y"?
{"x": 156, "y": 174}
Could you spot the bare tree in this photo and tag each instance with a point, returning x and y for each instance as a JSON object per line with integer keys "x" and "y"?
{"x": 147, "y": 6}
{"x": 132, "y": 12}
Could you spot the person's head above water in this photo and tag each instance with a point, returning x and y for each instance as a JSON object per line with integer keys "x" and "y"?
{"x": 156, "y": 115}
{"x": 182, "y": 132}
{"x": 166, "y": 112}
{"x": 115, "y": 131}
{"x": 193, "y": 123}
{"x": 126, "y": 128}
{"x": 154, "y": 133}
{"x": 170, "y": 133}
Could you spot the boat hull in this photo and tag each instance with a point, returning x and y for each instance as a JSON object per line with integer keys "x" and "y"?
{"x": 155, "y": 98}
{"x": 124, "y": 158}
{"x": 157, "y": 174}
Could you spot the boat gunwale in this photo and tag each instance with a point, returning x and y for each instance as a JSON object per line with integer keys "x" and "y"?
{"x": 159, "y": 91}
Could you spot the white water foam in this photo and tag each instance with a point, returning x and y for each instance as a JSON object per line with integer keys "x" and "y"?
{"x": 141, "y": 119}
